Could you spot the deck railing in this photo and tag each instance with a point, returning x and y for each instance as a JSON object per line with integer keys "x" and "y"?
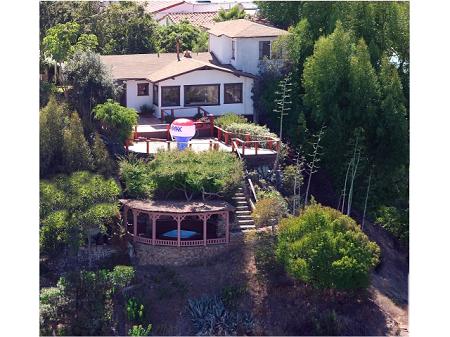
{"x": 174, "y": 243}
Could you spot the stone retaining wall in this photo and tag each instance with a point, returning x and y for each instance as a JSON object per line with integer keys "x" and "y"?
{"x": 178, "y": 256}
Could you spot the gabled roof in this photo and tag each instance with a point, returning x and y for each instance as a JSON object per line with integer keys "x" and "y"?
{"x": 204, "y": 19}
{"x": 157, "y": 6}
{"x": 245, "y": 28}
{"x": 156, "y": 69}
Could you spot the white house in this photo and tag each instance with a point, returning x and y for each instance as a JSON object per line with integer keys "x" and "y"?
{"x": 219, "y": 81}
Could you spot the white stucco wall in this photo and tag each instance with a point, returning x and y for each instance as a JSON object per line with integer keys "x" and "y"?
{"x": 247, "y": 51}
{"x": 135, "y": 101}
{"x": 211, "y": 77}
{"x": 221, "y": 47}
{"x": 247, "y": 54}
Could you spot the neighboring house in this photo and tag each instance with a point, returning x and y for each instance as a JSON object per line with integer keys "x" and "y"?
{"x": 198, "y": 13}
{"x": 219, "y": 81}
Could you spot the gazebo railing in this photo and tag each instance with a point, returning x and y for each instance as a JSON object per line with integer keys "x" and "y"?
{"x": 191, "y": 243}
{"x": 216, "y": 241}
{"x": 159, "y": 242}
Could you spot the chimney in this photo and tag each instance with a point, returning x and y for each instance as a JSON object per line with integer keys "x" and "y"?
{"x": 178, "y": 47}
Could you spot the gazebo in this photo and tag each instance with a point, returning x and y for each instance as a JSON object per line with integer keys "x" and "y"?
{"x": 177, "y": 223}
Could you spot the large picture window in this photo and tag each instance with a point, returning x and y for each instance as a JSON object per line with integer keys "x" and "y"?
{"x": 232, "y": 93}
{"x": 201, "y": 94}
{"x": 170, "y": 96}
{"x": 264, "y": 49}
{"x": 142, "y": 89}
{"x": 155, "y": 94}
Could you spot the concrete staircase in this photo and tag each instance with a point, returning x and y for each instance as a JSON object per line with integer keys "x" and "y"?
{"x": 244, "y": 219}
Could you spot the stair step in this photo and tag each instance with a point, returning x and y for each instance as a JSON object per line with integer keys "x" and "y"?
{"x": 239, "y": 198}
{"x": 244, "y": 217}
{"x": 239, "y": 213}
{"x": 239, "y": 195}
{"x": 245, "y": 222}
{"x": 244, "y": 227}
{"x": 242, "y": 208}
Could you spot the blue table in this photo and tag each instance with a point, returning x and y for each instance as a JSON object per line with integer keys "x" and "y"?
{"x": 184, "y": 234}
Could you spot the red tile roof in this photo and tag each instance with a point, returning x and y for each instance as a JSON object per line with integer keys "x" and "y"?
{"x": 205, "y": 20}
{"x": 156, "y": 6}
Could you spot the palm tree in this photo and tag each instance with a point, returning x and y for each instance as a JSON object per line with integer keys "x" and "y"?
{"x": 234, "y": 13}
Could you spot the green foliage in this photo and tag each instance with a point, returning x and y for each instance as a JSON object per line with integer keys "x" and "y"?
{"x": 55, "y": 233}
{"x": 395, "y": 221}
{"x": 138, "y": 330}
{"x": 327, "y": 249}
{"x": 121, "y": 276}
{"x": 269, "y": 211}
{"x": 136, "y": 177}
{"x": 86, "y": 42}
{"x": 229, "y": 118}
{"x": 267, "y": 265}
{"x": 147, "y": 109}
{"x": 71, "y": 205}
{"x": 76, "y": 152}
{"x": 46, "y": 90}
{"x": 291, "y": 179}
{"x": 126, "y": 28}
{"x": 189, "y": 173}
{"x": 281, "y": 13}
{"x": 52, "y": 121}
{"x": 135, "y": 310}
{"x": 210, "y": 317}
{"x": 190, "y": 37}
{"x": 101, "y": 160}
{"x": 91, "y": 83}
{"x": 256, "y": 132}
{"x": 117, "y": 121}
{"x": 60, "y": 40}
{"x": 82, "y": 302}
{"x": 234, "y": 13}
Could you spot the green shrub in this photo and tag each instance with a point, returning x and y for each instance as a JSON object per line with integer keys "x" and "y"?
{"x": 147, "y": 109}
{"x": 117, "y": 121}
{"x": 101, "y": 160}
{"x": 292, "y": 179}
{"x": 229, "y": 118}
{"x": 135, "y": 310}
{"x": 327, "y": 249}
{"x": 256, "y": 132}
{"x": 269, "y": 211}
{"x": 138, "y": 330}
{"x": 395, "y": 221}
{"x": 185, "y": 174}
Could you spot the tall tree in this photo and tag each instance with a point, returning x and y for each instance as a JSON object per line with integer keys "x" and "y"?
{"x": 52, "y": 121}
{"x": 76, "y": 152}
{"x": 189, "y": 36}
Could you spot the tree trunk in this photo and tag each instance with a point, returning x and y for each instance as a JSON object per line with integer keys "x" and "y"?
{"x": 350, "y": 192}
{"x": 345, "y": 185}
{"x": 89, "y": 252}
{"x": 365, "y": 202}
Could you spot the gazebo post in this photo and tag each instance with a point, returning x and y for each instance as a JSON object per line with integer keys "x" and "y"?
{"x": 205, "y": 219}
{"x": 227, "y": 231}
{"x": 125, "y": 217}
{"x": 135, "y": 215}
{"x": 178, "y": 231}
{"x": 153, "y": 229}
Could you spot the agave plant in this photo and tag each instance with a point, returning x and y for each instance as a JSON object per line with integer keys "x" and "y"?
{"x": 210, "y": 317}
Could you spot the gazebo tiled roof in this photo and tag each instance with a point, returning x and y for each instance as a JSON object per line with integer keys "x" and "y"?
{"x": 178, "y": 207}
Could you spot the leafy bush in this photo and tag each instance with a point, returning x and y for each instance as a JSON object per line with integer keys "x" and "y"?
{"x": 229, "y": 118}
{"x": 327, "y": 249}
{"x": 395, "y": 221}
{"x": 292, "y": 179}
{"x": 138, "y": 330}
{"x": 101, "y": 160}
{"x": 188, "y": 173}
{"x": 147, "y": 109}
{"x": 269, "y": 211}
{"x": 72, "y": 205}
{"x": 211, "y": 318}
{"x": 256, "y": 132}
{"x": 46, "y": 90}
{"x": 83, "y": 302}
{"x": 135, "y": 310}
{"x": 190, "y": 37}
{"x": 117, "y": 121}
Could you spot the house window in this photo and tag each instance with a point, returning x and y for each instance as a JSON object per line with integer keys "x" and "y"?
{"x": 142, "y": 89}
{"x": 233, "y": 93}
{"x": 264, "y": 49}
{"x": 155, "y": 94}
{"x": 170, "y": 96}
{"x": 201, "y": 94}
{"x": 233, "y": 49}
